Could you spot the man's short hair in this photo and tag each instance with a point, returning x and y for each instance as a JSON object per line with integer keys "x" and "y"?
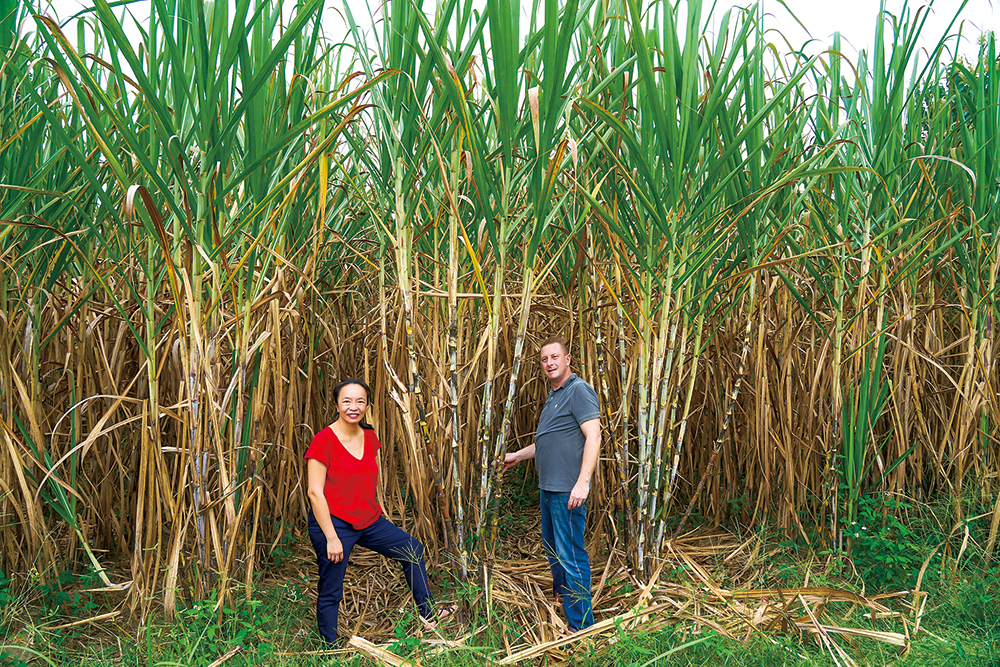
{"x": 553, "y": 340}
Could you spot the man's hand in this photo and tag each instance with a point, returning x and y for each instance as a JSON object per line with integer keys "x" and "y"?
{"x": 334, "y": 549}
{"x": 578, "y": 496}
{"x": 511, "y": 460}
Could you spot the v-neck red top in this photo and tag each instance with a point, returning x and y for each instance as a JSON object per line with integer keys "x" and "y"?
{"x": 350, "y": 482}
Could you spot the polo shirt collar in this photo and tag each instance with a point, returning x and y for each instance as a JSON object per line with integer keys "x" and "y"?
{"x": 570, "y": 380}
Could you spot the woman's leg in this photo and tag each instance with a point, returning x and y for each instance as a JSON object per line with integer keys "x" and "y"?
{"x": 330, "y": 590}
{"x": 387, "y": 539}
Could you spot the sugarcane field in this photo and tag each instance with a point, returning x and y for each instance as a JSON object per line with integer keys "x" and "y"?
{"x": 476, "y": 332}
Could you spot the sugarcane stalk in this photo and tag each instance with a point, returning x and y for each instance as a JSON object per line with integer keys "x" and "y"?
{"x": 724, "y": 431}
{"x": 699, "y": 327}
{"x": 657, "y": 398}
{"x": 490, "y": 461}
{"x": 642, "y": 422}
{"x": 658, "y": 470}
{"x": 522, "y": 328}
{"x": 622, "y": 452}
{"x": 193, "y": 368}
{"x": 459, "y": 527}
{"x": 621, "y": 487}
{"x": 986, "y": 362}
{"x": 404, "y": 254}
{"x": 666, "y": 472}
{"x": 150, "y": 466}
{"x": 836, "y": 398}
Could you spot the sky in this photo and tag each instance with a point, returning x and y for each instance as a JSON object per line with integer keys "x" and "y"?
{"x": 855, "y": 20}
{"x": 797, "y": 20}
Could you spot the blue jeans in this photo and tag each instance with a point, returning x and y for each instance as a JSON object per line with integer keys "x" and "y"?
{"x": 562, "y": 540}
{"x": 381, "y": 537}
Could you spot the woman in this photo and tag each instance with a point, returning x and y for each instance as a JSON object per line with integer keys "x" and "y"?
{"x": 342, "y": 476}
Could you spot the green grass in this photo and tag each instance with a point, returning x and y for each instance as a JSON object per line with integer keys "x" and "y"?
{"x": 960, "y": 626}
{"x": 277, "y": 632}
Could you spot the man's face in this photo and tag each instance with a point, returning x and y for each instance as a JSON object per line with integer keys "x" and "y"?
{"x": 555, "y": 363}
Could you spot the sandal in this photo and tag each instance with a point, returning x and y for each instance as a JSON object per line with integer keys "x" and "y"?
{"x": 442, "y": 614}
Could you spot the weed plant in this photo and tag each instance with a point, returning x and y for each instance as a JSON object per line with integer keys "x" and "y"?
{"x": 275, "y": 627}
{"x": 886, "y": 552}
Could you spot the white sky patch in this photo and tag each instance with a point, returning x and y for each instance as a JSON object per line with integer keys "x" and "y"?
{"x": 808, "y": 25}
{"x": 856, "y": 21}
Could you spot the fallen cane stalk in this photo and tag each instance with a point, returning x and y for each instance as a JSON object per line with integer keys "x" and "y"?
{"x": 595, "y": 629}
{"x": 225, "y": 658}
{"x": 94, "y": 619}
{"x": 379, "y": 654}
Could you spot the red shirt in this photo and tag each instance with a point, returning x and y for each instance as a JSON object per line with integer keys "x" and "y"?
{"x": 350, "y": 482}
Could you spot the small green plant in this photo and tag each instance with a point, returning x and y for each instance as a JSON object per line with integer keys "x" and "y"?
{"x": 9, "y": 659}
{"x": 886, "y": 552}
{"x": 205, "y": 630}
{"x": 403, "y": 644}
{"x": 66, "y": 595}
{"x": 6, "y": 597}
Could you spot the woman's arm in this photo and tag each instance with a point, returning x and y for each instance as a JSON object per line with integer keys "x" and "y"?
{"x": 316, "y": 473}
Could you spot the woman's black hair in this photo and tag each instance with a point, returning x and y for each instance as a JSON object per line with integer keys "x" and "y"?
{"x": 368, "y": 396}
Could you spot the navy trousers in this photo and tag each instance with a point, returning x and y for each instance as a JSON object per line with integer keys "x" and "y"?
{"x": 381, "y": 537}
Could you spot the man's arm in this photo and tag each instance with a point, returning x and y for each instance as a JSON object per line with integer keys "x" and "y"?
{"x": 591, "y": 452}
{"x": 513, "y": 458}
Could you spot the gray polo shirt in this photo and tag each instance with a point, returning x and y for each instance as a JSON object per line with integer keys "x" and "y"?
{"x": 559, "y": 440}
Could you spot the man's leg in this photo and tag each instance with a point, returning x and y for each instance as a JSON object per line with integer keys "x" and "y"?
{"x": 567, "y": 531}
{"x": 330, "y": 589}
{"x": 549, "y": 547}
{"x": 393, "y": 542}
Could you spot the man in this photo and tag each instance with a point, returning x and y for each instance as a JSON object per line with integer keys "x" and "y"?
{"x": 566, "y": 448}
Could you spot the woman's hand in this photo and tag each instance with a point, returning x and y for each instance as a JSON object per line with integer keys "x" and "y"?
{"x": 334, "y": 549}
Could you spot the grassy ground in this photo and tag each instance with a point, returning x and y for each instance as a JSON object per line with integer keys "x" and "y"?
{"x": 961, "y": 628}
{"x": 960, "y": 625}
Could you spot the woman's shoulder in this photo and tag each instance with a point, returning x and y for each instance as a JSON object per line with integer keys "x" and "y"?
{"x": 323, "y": 436}
{"x": 319, "y": 447}
{"x": 370, "y": 435}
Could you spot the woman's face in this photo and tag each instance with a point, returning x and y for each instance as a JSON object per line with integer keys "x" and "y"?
{"x": 352, "y": 403}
